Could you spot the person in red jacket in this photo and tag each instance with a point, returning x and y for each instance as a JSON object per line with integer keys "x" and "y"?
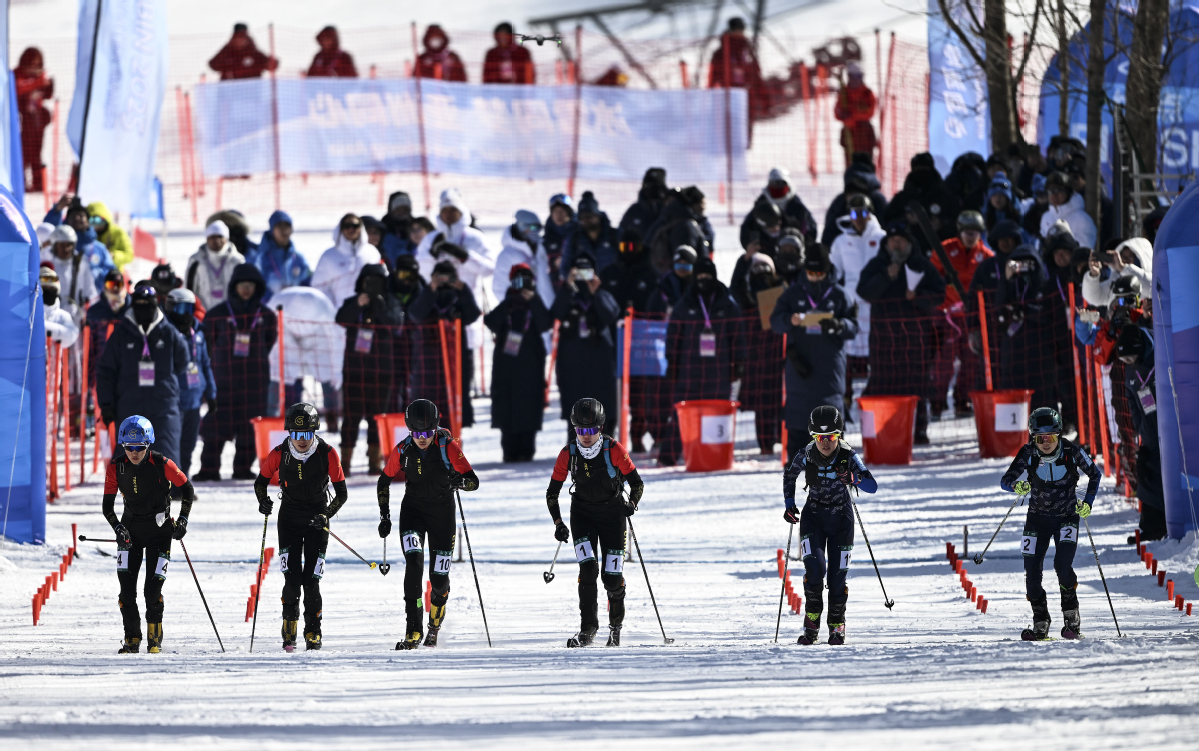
{"x": 854, "y": 108}
{"x": 740, "y": 69}
{"x": 332, "y": 61}
{"x": 33, "y": 88}
{"x": 241, "y": 58}
{"x": 438, "y": 60}
{"x": 952, "y": 333}
{"x": 507, "y": 61}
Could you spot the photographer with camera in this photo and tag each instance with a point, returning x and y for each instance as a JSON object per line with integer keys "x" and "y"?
{"x": 1132, "y": 257}
{"x": 586, "y": 363}
{"x": 446, "y": 298}
{"x": 1022, "y": 326}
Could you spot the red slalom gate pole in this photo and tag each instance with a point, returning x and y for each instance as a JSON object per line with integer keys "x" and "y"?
{"x": 626, "y": 422}
{"x": 282, "y": 380}
{"x": 1106, "y": 434}
{"x": 420, "y": 119}
{"x": 87, "y": 330}
{"x": 578, "y": 76}
{"x": 782, "y": 418}
{"x": 275, "y": 122}
{"x": 183, "y": 163}
{"x": 458, "y": 375}
{"x": 65, "y": 364}
{"x": 449, "y": 379}
{"x": 1074, "y": 355}
{"x": 982, "y": 320}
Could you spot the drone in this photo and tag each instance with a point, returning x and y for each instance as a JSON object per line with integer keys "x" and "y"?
{"x": 541, "y": 39}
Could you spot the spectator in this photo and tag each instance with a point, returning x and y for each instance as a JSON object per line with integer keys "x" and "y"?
{"x": 239, "y": 230}
{"x": 735, "y": 64}
{"x": 521, "y": 243}
{"x": 78, "y": 286}
{"x": 762, "y": 384}
{"x": 967, "y": 182}
{"x": 98, "y": 258}
{"x": 140, "y": 370}
{"x": 671, "y": 285}
{"x": 614, "y": 76}
{"x": 650, "y": 199}
{"x": 43, "y": 231}
{"x": 1002, "y": 240}
{"x": 859, "y": 178}
{"x": 1151, "y": 222}
{"x": 682, "y": 223}
{"x": 338, "y": 273}
{"x": 374, "y": 230}
{"x": 277, "y": 259}
{"x": 311, "y": 340}
{"x": 860, "y": 240}
{"x": 924, "y": 186}
{"x": 240, "y": 332}
{"x": 1066, "y": 261}
{"x": 594, "y": 236}
{"x": 446, "y": 298}
{"x": 793, "y": 213}
{"x": 1135, "y": 349}
{"x": 789, "y": 263}
{"x": 368, "y": 315}
{"x": 507, "y": 61}
{"x": 1132, "y": 257}
{"x": 210, "y": 268}
{"x": 120, "y": 247}
{"x": 518, "y": 365}
{"x": 586, "y": 365}
{"x": 163, "y": 279}
{"x": 116, "y": 302}
{"x": 1034, "y": 208}
{"x": 198, "y": 385}
{"x": 241, "y": 58}
{"x": 438, "y": 61}
{"x": 406, "y": 287}
{"x": 817, "y": 317}
{"x": 33, "y": 88}
{"x": 60, "y": 326}
{"x": 762, "y": 228}
{"x": 1076, "y": 176}
{"x": 1001, "y": 203}
{"x": 332, "y": 61}
{"x": 397, "y": 232}
{"x": 558, "y": 226}
{"x": 902, "y": 288}
{"x": 703, "y": 347}
{"x": 1066, "y": 205}
{"x": 1026, "y": 355}
{"x": 854, "y": 108}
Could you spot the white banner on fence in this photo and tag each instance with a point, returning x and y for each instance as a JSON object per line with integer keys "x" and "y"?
{"x": 519, "y": 132}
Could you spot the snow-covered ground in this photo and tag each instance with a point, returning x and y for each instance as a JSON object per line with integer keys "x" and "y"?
{"x": 932, "y": 672}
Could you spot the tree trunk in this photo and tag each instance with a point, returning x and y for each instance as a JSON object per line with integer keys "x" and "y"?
{"x": 1063, "y": 70}
{"x": 999, "y": 76}
{"x": 1144, "y": 83}
{"x": 1095, "y": 101}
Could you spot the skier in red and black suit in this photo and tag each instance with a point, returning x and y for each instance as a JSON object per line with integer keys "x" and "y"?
{"x": 432, "y": 466}
{"x": 145, "y": 480}
{"x": 305, "y": 465}
{"x": 598, "y": 467}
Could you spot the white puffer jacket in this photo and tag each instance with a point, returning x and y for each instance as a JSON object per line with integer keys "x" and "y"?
{"x": 1098, "y": 292}
{"x": 850, "y": 254}
{"x": 336, "y": 273}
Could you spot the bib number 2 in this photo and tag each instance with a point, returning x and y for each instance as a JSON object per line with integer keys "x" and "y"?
{"x": 1069, "y": 535}
{"x": 1028, "y": 544}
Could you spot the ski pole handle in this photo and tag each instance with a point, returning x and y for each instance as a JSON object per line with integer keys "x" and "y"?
{"x": 83, "y": 538}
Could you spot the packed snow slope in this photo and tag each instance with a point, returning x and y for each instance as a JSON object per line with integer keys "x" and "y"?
{"x": 933, "y": 671}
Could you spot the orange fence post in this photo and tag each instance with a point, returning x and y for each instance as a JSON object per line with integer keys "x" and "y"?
{"x": 83, "y": 400}
{"x": 982, "y": 320}
{"x": 783, "y": 413}
{"x": 626, "y": 422}
{"x": 449, "y": 379}
{"x": 1105, "y": 435}
{"x": 458, "y": 376}
{"x": 1074, "y": 353}
{"x": 683, "y": 74}
{"x": 282, "y": 380}
{"x": 549, "y": 375}
{"x": 65, "y": 365}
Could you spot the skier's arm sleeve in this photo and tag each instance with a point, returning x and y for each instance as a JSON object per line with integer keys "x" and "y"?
{"x": 557, "y": 479}
{"x": 110, "y": 496}
{"x": 866, "y": 482}
{"x": 1083, "y": 460}
{"x": 790, "y": 475}
{"x": 186, "y": 492}
{"x": 337, "y": 477}
{"x": 636, "y": 486}
{"x": 1019, "y": 466}
{"x": 391, "y": 471}
{"x": 260, "y": 488}
{"x": 621, "y": 459}
{"x": 470, "y": 481}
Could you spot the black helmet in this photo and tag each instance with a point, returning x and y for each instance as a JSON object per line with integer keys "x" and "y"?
{"x": 421, "y": 415}
{"x": 971, "y": 219}
{"x": 587, "y": 413}
{"x": 1044, "y": 420}
{"x": 301, "y": 416}
{"x": 826, "y": 419}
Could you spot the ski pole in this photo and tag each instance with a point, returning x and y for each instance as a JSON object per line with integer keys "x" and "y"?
{"x": 886, "y": 600}
{"x": 466, "y": 536}
{"x": 202, "y": 598}
{"x": 384, "y": 567}
{"x": 783, "y": 590}
{"x": 647, "y": 584}
{"x": 978, "y": 557}
{"x": 83, "y": 538}
{"x": 1103, "y": 578}
{"x": 372, "y": 564}
{"x": 258, "y": 582}
{"x": 549, "y": 575}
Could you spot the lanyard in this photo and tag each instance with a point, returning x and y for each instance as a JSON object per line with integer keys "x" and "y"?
{"x": 145, "y": 346}
{"x": 1146, "y": 378}
{"x": 823, "y": 297}
{"x": 216, "y": 272}
{"x": 254, "y": 323}
{"x": 528, "y": 321}
{"x": 704, "y": 308}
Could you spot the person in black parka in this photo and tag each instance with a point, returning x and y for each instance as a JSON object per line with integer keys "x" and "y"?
{"x": 762, "y": 385}
{"x": 586, "y": 365}
{"x": 369, "y": 318}
{"x": 642, "y": 215}
{"x": 406, "y": 285}
{"x": 859, "y": 177}
{"x": 925, "y": 186}
{"x": 517, "y": 386}
{"x": 1134, "y": 347}
{"x": 445, "y": 299}
{"x": 1023, "y": 326}
{"x": 241, "y": 332}
{"x": 140, "y": 369}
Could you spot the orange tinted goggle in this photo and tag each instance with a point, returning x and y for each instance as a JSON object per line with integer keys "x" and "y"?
{"x": 112, "y": 285}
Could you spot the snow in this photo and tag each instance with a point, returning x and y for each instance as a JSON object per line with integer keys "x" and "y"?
{"x": 932, "y": 671}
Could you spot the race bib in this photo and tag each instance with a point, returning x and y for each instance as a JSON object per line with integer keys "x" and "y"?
{"x": 193, "y": 375}
{"x": 319, "y": 570}
{"x": 441, "y": 561}
{"x": 411, "y": 542}
{"x": 241, "y": 345}
{"x": 512, "y": 343}
{"x": 707, "y": 343}
{"x": 283, "y": 560}
{"x": 1028, "y": 544}
{"x": 583, "y": 551}
{"x": 845, "y": 556}
{"x": 122, "y": 560}
{"x": 614, "y": 562}
{"x": 160, "y": 571}
{"x": 362, "y": 345}
{"x": 1148, "y": 403}
{"x": 1069, "y": 534}
{"x": 145, "y": 373}
{"x": 805, "y": 547}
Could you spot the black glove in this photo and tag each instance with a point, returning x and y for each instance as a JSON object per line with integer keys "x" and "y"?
{"x": 384, "y": 526}
{"x": 107, "y": 414}
{"x": 630, "y": 507}
{"x": 561, "y": 533}
{"x": 791, "y": 515}
{"x": 456, "y": 482}
{"x": 123, "y": 535}
{"x": 845, "y": 475}
{"x": 832, "y": 326}
{"x": 265, "y": 506}
{"x": 320, "y": 521}
{"x": 180, "y": 528}
{"x": 457, "y": 251}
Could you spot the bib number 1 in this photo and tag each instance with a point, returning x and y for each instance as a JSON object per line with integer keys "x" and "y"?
{"x": 583, "y": 551}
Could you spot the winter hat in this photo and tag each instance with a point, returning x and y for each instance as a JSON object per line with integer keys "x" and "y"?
{"x": 561, "y": 199}
{"x": 445, "y": 267}
{"x": 503, "y": 28}
{"x": 759, "y": 262}
{"x": 217, "y": 229}
{"x": 1131, "y": 342}
{"x": 583, "y": 261}
{"x": 588, "y": 204}
{"x": 47, "y": 276}
{"x": 115, "y": 276}
{"x": 684, "y": 254}
{"x": 63, "y": 234}
{"x": 654, "y": 176}
{"x": 1038, "y": 184}
{"x": 779, "y": 174}
{"x": 451, "y": 197}
{"x": 705, "y": 266}
{"x": 900, "y": 229}
{"x": 1060, "y": 238}
{"x": 816, "y": 259}
{"x": 1005, "y": 228}
{"x": 280, "y": 217}
{"x": 923, "y": 160}
{"x": 519, "y": 268}
{"x": 44, "y": 230}
{"x": 1000, "y": 184}
{"x": 790, "y": 236}
{"x": 163, "y": 277}
{"x": 1057, "y": 180}
{"x": 407, "y": 262}
{"x": 399, "y": 198}
{"x": 692, "y": 196}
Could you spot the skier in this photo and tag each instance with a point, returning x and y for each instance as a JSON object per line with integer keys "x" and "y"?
{"x": 828, "y": 465}
{"x": 145, "y": 480}
{"x": 1051, "y": 464}
{"x": 598, "y": 466}
{"x": 432, "y": 466}
{"x": 304, "y": 514}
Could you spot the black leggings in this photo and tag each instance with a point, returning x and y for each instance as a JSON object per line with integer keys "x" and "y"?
{"x": 151, "y": 543}
{"x": 598, "y": 530}
{"x": 436, "y": 520}
{"x": 1038, "y": 531}
{"x": 826, "y": 544}
{"x": 302, "y": 559}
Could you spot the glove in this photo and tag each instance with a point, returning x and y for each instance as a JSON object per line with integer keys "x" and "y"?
{"x": 791, "y": 515}
{"x": 107, "y": 414}
{"x": 265, "y": 506}
{"x": 456, "y": 482}
{"x": 457, "y": 251}
{"x": 1083, "y": 509}
{"x": 630, "y": 508}
{"x": 180, "y": 528}
{"x": 123, "y": 535}
{"x": 831, "y": 326}
{"x": 845, "y": 475}
{"x": 561, "y": 533}
{"x": 320, "y": 521}
{"x": 384, "y": 526}
{"x": 211, "y": 403}
{"x": 1022, "y": 487}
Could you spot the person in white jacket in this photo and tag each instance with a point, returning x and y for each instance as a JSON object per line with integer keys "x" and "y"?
{"x": 59, "y": 325}
{"x": 1133, "y": 257}
{"x": 521, "y": 243}
{"x": 211, "y": 267}
{"x": 1066, "y": 205}
{"x": 337, "y": 271}
{"x": 313, "y": 345}
{"x": 860, "y": 239}
{"x": 78, "y": 286}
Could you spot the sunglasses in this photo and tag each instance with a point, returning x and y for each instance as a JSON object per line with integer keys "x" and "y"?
{"x": 135, "y": 449}
{"x": 1045, "y": 437}
{"x": 587, "y": 431}
{"x": 859, "y": 213}
{"x": 683, "y": 267}
{"x": 95, "y": 220}
{"x": 423, "y": 433}
{"x": 350, "y": 226}
{"x": 112, "y": 285}
{"x": 303, "y": 435}
{"x": 826, "y": 436}
{"x": 530, "y": 229}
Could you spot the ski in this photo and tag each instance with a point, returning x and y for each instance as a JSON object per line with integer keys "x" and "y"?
{"x": 582, "y": 639}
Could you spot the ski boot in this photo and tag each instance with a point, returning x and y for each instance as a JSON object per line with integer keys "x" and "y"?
{"x": 811, "y": 629}
{"x": 584, "y": 638}
{"x": 836, "y": 634}
{"x": 312, "y": 639}
{"x": 1040, "y": 622}
{"x": 289, "y": 635}
{"x": 154, "y": 631}
{"x": 613, "y": 636}
{"x": 413, "y": 633}
{"x": 130, "y": 646}
{"x": 436, "y": 614}
{"x": 1073, "y": 627}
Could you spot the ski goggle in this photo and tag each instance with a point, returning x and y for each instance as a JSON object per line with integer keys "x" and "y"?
{"x": 112, "y": 285}
{"x": 422, "y": 434}
{"x": 1046, "y": 437}
{"x": 405, "y": 274}
{"x": 629, "y": 247}
{"x": 303, "y": 435}
{"x": 685, "y": 267}
{"x": 530, "y": 228}
{"x": 1127, "y": 301}
{"x": 587, "y": 431}
{"x": 95, "y": 221}
{"x": 135, "y": 448}
{"x": 827, "y": 436}
{"x": 183, "y": 308}
{"x": 859, "y": 214}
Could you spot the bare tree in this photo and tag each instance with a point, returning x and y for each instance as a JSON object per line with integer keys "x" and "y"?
{"x": 1096, "y": 66}
{"x": 1144, "y": 84}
